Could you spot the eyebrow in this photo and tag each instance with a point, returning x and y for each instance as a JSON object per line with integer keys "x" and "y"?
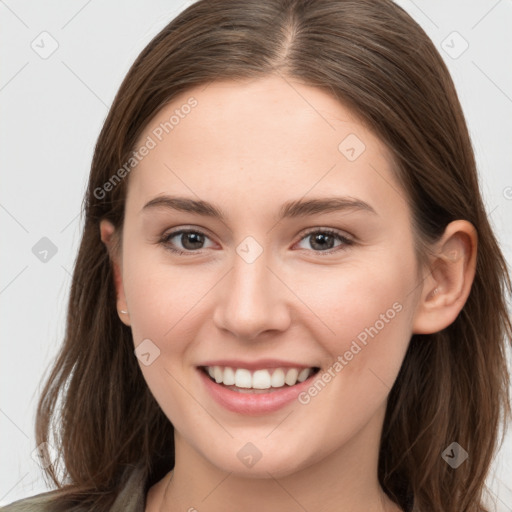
{"x": 290, "y": 209}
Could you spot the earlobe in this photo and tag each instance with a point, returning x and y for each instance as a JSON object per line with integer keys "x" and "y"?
{"x": 109, "y": 238}
{"x": 448, "y": 280}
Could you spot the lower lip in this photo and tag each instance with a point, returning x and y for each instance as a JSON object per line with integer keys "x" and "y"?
{"x": 253, "y": 403}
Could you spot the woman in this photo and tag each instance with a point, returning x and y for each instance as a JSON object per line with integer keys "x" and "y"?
{"x": 288, "y": 295}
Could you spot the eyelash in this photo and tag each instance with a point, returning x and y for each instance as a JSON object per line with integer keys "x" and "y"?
{"x": 345, "y": 241}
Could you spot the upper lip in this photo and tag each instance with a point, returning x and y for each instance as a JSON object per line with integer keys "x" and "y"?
{"x": 256, "y": 365}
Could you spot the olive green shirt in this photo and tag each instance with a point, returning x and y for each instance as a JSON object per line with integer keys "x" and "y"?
{"x": 132, "y": 497}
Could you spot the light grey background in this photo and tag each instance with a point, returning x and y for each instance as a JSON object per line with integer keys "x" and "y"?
{"x": 52, "y": 112}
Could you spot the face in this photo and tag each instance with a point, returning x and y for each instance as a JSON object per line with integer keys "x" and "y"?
{"x": 308, "y": 263}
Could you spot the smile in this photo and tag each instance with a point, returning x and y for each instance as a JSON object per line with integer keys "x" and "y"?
{"x": 255, "y": 392}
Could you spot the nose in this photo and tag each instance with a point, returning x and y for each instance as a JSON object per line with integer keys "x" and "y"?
{"x": 252, "y": 300}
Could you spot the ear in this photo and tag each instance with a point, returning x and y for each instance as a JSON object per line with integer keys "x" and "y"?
{"x": 448, "y": 279}
{"x": 111, "y": 240}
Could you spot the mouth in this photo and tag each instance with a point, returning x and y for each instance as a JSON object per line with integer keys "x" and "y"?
{"x": 264, "y": 380}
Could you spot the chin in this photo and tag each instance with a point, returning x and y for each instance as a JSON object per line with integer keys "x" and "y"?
{"x": 275, "y": 464}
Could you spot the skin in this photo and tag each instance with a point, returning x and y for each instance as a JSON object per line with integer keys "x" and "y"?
{"x": 249, "y": 147}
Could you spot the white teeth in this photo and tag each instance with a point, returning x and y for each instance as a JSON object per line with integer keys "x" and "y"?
{"x": 259, "y": 379}
{"x": 229, "y": 377}
{"x": 277, "y": 380}
{"x": 291, "y": 376}
{"x": 218, "y": 374}
{"x": 242, "y": 378}
{"x": 303, "y": 375}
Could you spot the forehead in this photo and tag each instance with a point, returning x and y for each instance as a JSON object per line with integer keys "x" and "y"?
{"x": 252, "y": 140}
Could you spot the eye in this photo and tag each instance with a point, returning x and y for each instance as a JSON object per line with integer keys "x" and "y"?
{"x": 191, "y": 241}
{"x": 322, "y": 240}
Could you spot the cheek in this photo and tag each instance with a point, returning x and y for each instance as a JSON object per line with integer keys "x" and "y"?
{"x": 163, "y": 298}
{"x": 164, "y": 301}
{"x": 368, "y": 309}
{"x": 364, "y": 308}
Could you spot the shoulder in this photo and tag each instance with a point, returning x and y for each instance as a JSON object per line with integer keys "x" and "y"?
{"x": 130, "y": 498}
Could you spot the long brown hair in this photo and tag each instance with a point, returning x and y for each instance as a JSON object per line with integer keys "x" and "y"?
{"x": 373, "y": 57}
